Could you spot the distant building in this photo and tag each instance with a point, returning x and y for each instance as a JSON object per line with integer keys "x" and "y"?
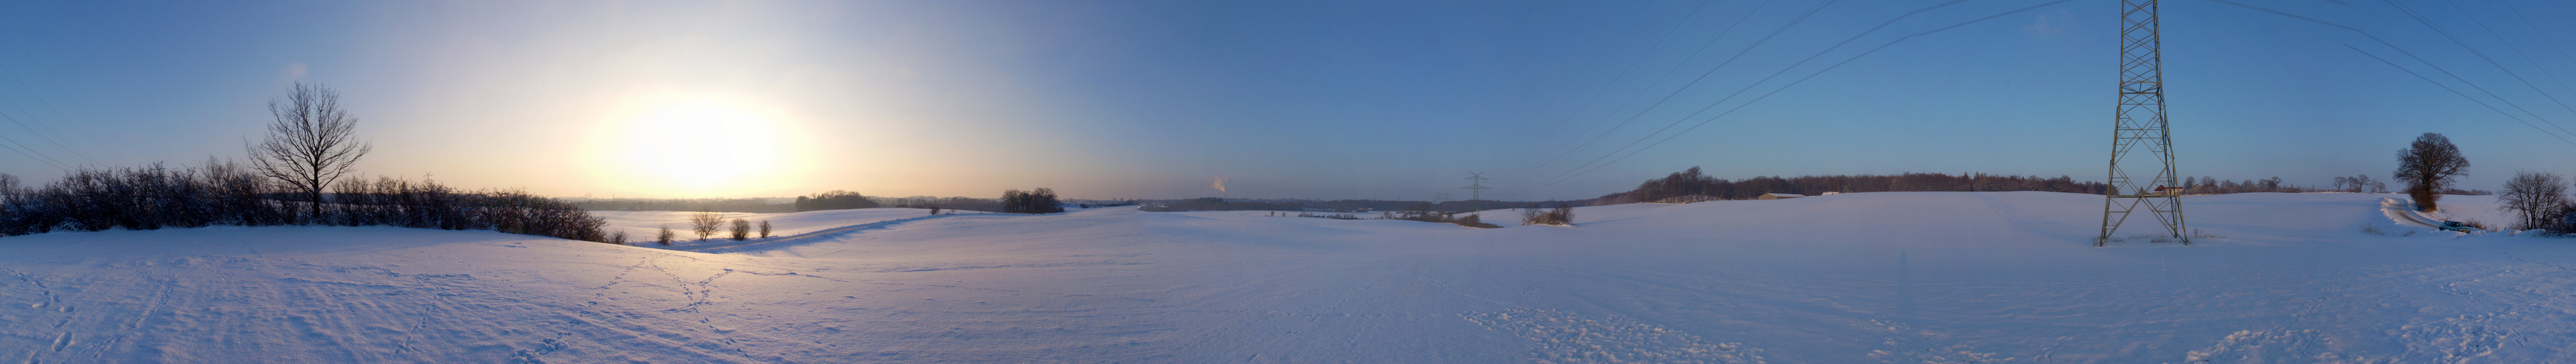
{"x": 1776, "y": 196}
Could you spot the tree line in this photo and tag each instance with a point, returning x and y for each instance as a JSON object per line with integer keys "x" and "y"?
{"x": 1692, "y": 182}
{"x": 1040, "y": 201}
{"x": 743, "y": 205}
{"x": 833, "y": 200}
{"x": 1222, "y": 204}
{"x": 295, "y": 176}
{"x": 225, "y": 193}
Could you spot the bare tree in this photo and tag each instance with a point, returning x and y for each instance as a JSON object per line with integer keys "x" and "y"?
{"x": 741, "y": 229}
{"x": 2534, "y": 198}
{"x": 764, "y": 229}
{"x": 705, "y": 224}
{"x": 311, "y": 143}
{"x": 2428, "y": 166}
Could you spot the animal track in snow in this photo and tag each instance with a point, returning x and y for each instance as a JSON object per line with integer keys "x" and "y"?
{"x": 1903, "y": 341}
{"x": 2458, "y": 339}
{"x": 1567, "y": 337}
{"x": 2282, "y": 346}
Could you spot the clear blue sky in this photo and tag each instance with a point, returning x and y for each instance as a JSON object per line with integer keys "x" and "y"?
{"x": 1366, "y": 99}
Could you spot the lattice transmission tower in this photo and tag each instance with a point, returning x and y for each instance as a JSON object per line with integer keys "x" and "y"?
{"x": 2140, "y": 122}
{"x": 1476, "y": 191}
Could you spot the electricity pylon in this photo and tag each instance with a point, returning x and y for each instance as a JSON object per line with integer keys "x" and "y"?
{"x": 1476, "y": 191}
{"x": 2140, "y": 121}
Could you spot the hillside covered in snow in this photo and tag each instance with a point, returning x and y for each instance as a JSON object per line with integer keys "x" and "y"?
{"x": 1932, "y": 277}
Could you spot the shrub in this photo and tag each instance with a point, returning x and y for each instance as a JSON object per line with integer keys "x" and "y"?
{"x": 618, "y": 237}
{"x": 764, "y": 229}
{"x": 666, "y": 235}
{"x": 741, "y": 229}
{"x": 1473, "y": 222}
{"x": 2566, "y": 221}
{"x": 705, "y": 224}
{"x": 1562, "y": 215}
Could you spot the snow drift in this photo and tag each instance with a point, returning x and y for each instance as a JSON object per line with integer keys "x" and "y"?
{"x": 1864, "y": 277}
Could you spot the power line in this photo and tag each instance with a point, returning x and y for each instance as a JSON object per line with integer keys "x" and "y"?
{"x": 1749, "y": 87}
{"x": 1702, "y": 76}
{"x": 40, "y": 135}
{"x": 2517, "y": 50}
{"x": 22, "y": 85}
{"x": 49, "y": 104}
{"x": 1705, "y": 122}
{"x": 2446, "y": 34}
{"x": 2462, "y": 95}
{"x": 2546, "y": 41}
{"x": 14, "y": 145}
{"x": 1623, "y": 72}
{"x": 1569, "y": 173}
{"x": 1641, "y": 92}
{"x": 2402, "y": 50}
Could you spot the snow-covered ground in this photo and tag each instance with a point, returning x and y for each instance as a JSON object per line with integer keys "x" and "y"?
{"x": 1864, "y": 277}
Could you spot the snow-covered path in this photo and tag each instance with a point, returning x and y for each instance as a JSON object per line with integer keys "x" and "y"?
{"x": 1868, "y": 277}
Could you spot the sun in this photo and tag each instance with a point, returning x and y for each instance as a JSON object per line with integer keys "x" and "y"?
{"x": 699, "y": 146}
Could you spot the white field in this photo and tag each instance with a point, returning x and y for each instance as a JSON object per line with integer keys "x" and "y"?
{"x": 1850, "y": 278}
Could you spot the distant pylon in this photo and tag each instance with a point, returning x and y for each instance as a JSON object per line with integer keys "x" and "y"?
{"x": 2140, "y": 121}
{"x": 1476, "y": 191}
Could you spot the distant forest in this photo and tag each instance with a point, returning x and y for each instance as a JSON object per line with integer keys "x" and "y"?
{"x": 824, "y": 201}
{"x": 744, "y": 205}
{"x": 1691, "y": 182}
{"x": 1220, "y": 204}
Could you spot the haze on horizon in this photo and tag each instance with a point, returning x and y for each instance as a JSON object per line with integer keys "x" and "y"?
{"x": 1336, "y": 100}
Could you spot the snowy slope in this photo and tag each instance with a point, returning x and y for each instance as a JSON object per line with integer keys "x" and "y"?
{"x": 1864, "y": 277}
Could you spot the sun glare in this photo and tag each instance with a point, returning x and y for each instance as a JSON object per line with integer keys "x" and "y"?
{"x": 693, "y": 147}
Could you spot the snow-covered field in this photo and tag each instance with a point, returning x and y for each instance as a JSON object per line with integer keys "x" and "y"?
{"x": 1866, "y": 277}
